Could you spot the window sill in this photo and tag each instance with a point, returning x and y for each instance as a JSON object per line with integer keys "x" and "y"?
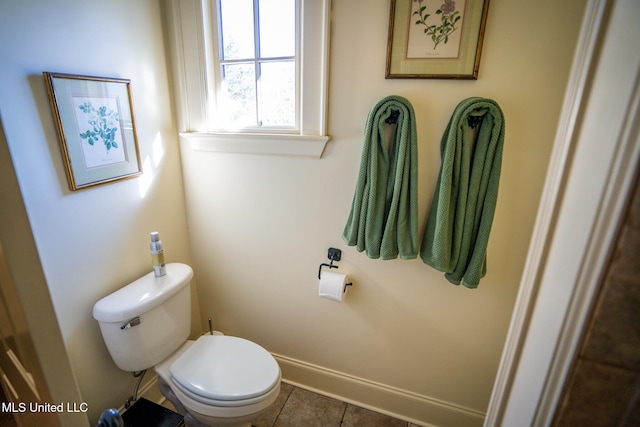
{"x": 272, "y": 144}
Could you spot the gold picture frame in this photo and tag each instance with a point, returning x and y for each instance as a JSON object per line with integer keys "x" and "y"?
{"x": 435, "y": 39}
{"x": 96, "y": 128}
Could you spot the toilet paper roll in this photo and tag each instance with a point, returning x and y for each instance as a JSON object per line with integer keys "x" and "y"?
{"x": 332, "y": 285}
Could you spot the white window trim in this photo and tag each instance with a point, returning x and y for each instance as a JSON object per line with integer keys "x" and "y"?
{"x": 192, "y": 46}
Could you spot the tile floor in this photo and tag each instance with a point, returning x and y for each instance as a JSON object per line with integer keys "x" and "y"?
{"x": 299, "y": 407}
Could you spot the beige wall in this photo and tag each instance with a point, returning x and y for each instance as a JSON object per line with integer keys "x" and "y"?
{"x": 261, "y": 225}
{"x": 92, "y": 241}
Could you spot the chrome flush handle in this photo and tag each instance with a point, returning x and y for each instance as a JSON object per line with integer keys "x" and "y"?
{"x": 131, "y": 323}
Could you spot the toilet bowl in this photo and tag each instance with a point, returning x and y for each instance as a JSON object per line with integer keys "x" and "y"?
{"x": 216, "y": 380}
{"x": 220, "y": 380}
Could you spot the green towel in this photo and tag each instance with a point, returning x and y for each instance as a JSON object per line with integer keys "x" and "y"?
{"x": 457, "y": 232}
{"x": 384, "y": 213}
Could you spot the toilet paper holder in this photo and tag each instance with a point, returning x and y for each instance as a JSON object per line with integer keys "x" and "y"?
{"x": 333, "y": 255}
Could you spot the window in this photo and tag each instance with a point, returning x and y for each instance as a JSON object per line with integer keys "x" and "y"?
{"x": 251, "y": 75}
{"x": 257, "y": 62}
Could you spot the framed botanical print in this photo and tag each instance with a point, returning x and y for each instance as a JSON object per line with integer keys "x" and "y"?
{"x": 435, "y": 39}
{"x": 96, "y": 128}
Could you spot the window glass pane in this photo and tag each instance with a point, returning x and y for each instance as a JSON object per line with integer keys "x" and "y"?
{"x": 238, "y": 103}
{"x": 277, "y": 93}
{"x": 277, "y": 28}
{"x": 236, "y": 17}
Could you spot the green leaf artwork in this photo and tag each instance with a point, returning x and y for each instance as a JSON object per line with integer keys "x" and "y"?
{"x": 104, "y": 123}
{"x": 449, "y": 17}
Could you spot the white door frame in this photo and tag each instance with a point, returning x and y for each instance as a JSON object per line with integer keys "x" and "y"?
{"x": 592, "y": 167}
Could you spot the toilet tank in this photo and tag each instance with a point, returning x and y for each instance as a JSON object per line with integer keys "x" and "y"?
{"x": 147, "y": 320}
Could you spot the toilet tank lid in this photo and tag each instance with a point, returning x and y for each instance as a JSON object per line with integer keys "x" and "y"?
{"x": 142, "y": 295}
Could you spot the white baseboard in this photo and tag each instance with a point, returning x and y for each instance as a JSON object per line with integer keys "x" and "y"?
{"x": 402, "y": 404}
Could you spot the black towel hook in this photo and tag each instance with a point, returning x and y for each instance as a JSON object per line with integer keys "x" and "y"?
{"x": 474, "y": 121}
{"x": 393, "y": 117}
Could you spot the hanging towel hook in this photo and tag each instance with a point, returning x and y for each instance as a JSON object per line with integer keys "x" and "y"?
{"x": 474, "y": 121}
{"x": 393, "y": 117}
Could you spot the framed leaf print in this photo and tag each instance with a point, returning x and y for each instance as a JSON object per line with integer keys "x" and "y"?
{"x": 96, "y": 128}
{"x": 435, "y": 39}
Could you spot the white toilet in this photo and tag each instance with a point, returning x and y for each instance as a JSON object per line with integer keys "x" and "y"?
{"x": 216, "y": 380}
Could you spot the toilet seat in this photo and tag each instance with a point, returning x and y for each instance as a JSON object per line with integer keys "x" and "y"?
{"x": 223, "y": 370}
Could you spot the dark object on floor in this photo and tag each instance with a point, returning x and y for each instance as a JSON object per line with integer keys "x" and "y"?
{"x": 110, "y": 418}
{"x": 145, "y": 413}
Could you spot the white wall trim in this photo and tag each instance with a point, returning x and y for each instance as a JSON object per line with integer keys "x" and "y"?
{"x": 274, "y": 144}
{"x": 547, "y": 211}
{"x": 402, "y": 404}
{"x": 611, "y": 209}
{"x": 595, "y": 153}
